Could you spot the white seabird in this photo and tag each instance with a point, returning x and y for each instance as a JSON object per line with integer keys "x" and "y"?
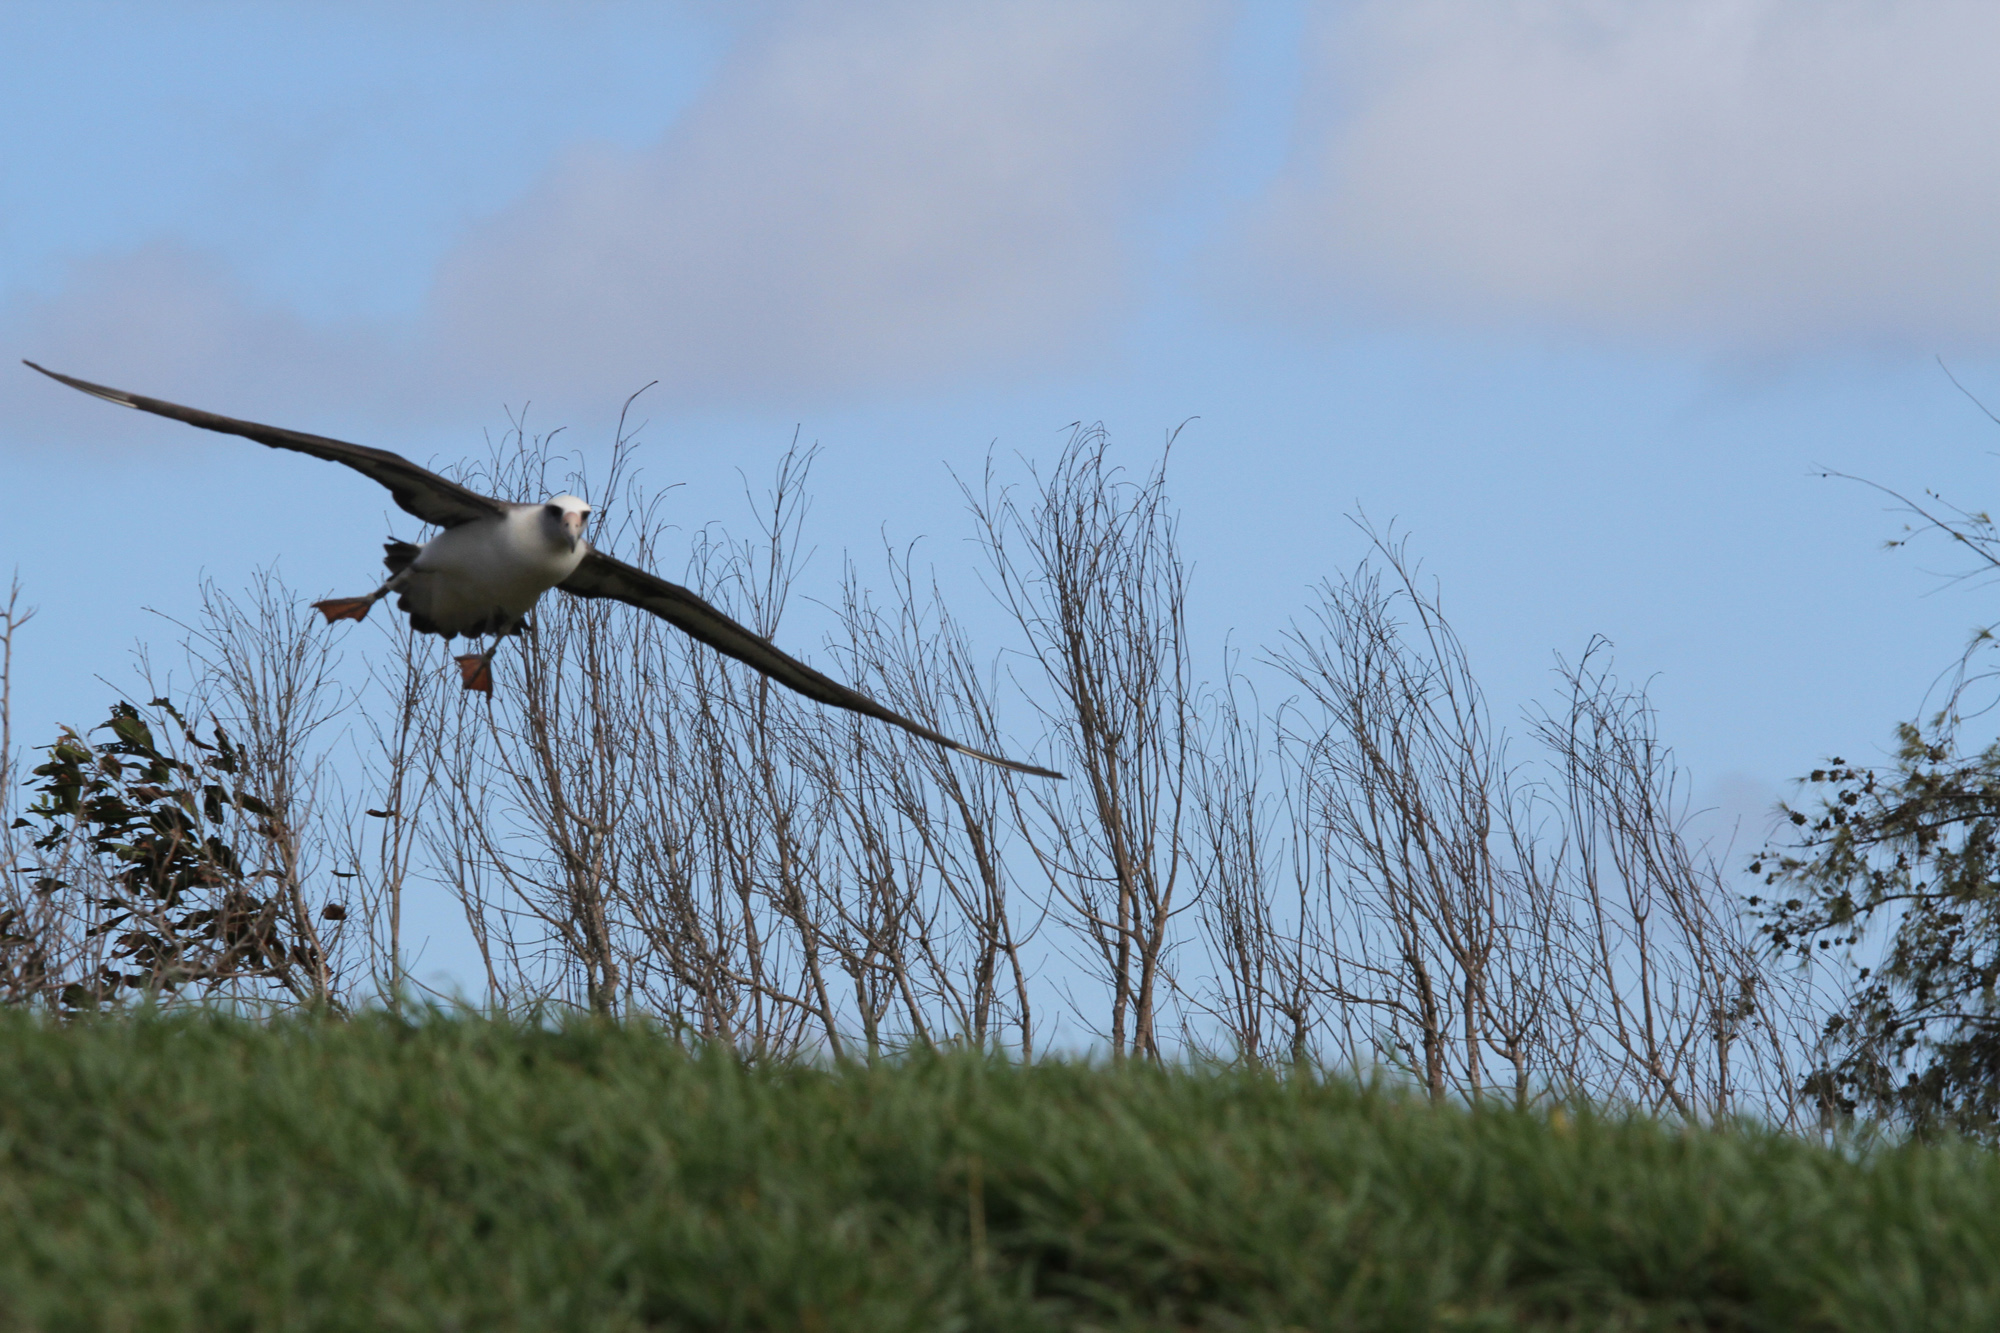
{"x": 493, "y": 559}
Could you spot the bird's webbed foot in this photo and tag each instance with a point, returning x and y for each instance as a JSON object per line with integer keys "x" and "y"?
{"x": 476, "y": 671}
{"x": 344, "y": 608}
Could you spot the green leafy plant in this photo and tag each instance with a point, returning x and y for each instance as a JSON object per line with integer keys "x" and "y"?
{"x": 145, "y": 842}
{"x": 1894, "y": 873}
{"x": 1912, "y": 850}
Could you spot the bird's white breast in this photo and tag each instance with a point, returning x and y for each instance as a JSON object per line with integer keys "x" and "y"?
{"x": 467, "y": 578}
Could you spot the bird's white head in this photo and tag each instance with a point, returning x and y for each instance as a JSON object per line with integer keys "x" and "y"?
{"x": 569, "y": 514}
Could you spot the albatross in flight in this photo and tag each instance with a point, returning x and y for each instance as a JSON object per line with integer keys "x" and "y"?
{"x": 492, "y": 559}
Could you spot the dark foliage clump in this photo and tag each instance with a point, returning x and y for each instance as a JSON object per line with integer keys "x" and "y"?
{"x": 143, "y": 838}
{"x": 1913, "y": 850}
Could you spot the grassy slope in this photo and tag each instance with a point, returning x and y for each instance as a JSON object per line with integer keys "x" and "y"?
{"x": 200, "y": 1173}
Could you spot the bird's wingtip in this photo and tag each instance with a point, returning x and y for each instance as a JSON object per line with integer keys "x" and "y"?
{"x": 109, "y": 395}
{"x": 1014, "y": 764}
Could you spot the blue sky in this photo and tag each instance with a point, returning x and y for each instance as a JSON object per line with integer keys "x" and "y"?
{"x": 1577, "y": 292}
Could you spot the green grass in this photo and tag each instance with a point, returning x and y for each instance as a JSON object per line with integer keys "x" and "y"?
{"x": 209, "y": 1174}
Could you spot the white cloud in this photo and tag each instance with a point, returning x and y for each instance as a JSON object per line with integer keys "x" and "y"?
{"x": 178, "y": 324}
{"x": 1760, "y": 174}
{"x": 871, "y": 196}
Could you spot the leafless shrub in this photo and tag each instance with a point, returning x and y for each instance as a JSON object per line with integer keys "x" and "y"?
{"x": 1262, "y": 990}
{"x": 380, "y": 833}
{"x": 263, "y": 672}
{"x": 928, "y": 835}
{"x": 35, "y": 949}
{"x": 1090, "y": 570}
{"x": 1492, "y": 930}
{"x": 1678, "y": 1008}
{"x": 1404, "y": 791}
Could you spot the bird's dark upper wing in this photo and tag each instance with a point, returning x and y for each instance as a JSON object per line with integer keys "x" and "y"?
{"x": 601, "y": 576}
{"x": 417, "y": 490}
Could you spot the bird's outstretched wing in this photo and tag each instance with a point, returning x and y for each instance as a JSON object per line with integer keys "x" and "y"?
{"x": 416, "y": 490}
{"x": 601, "y": 576}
